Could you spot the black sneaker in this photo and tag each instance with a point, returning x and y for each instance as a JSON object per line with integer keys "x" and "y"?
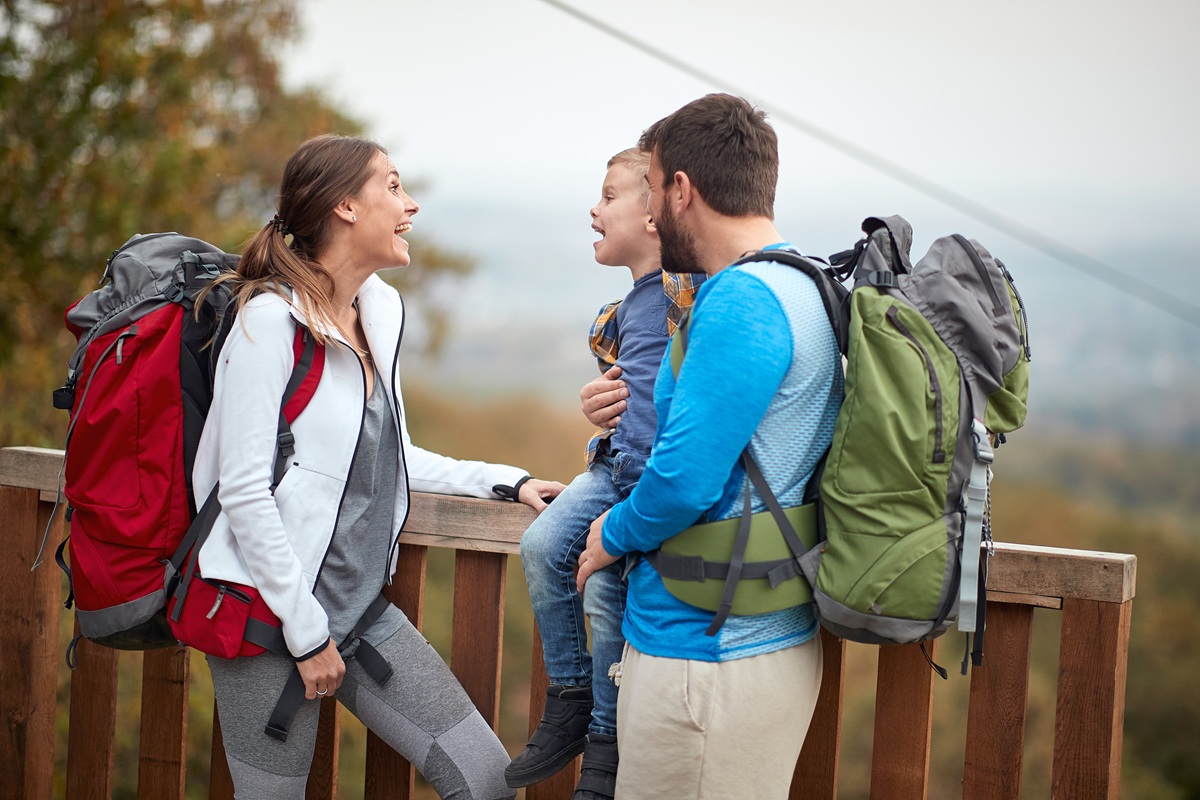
{"x": 559, "y": 737}
{"x": 598, "y": 776}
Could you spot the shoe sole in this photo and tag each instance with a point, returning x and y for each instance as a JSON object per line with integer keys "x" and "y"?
{"x": 517, "y": 779}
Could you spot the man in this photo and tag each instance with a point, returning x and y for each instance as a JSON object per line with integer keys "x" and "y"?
{"x": 724, "y": 715}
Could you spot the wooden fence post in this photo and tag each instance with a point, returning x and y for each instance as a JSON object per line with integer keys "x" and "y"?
{"x": 1090, "y": 711}
{"x": 904, "y": 702}
{"x": 28, "y": 645}
{"x": 996, "y": 710}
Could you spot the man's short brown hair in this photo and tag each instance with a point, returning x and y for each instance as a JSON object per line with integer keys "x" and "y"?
{"x": 728, "y": 150}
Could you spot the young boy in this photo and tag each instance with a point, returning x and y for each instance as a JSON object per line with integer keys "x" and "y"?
{"x": 628, "y": 339}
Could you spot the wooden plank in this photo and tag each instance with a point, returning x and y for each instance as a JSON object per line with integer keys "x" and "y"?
{"x": 163, "y": 743}
{"x": 323, "y": 774}
{"x": 477, "y": 641}
{"x": 561, "y": 785}
{"x": 466, "y": 523}
{"x": 1035, "y": 600}
{"x": 93, "y": 722}
{"x": 1090, "y": 712}
{"x": 31, "y": 468}
{"x": 389, "y": 774}
{"x": 903, "y": 723}
{"x": 816, "y": 772}
{"x": 996, "y": 712}
{"x": 28, "y": 642}
{"x": 1059, "y": 572}
{"x": 220, "y": 782}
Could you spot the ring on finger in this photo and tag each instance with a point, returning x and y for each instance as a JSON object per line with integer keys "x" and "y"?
{"x": 322, "y": 692}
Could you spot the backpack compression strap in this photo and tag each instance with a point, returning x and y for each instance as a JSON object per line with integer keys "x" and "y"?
{"x": 974, "y": 554}
{"x": 777, "y": 573}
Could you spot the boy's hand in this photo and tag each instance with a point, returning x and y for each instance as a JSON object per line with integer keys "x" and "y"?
{"x": 594, "y": 557}
{"x": 536, "y": 494}
{"x": 603, "y": 399}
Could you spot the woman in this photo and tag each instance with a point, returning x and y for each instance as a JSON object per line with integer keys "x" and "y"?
{"x": 321, "y": 546}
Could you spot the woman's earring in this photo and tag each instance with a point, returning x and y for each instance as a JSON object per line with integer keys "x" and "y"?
{"x": 354, "y": 218}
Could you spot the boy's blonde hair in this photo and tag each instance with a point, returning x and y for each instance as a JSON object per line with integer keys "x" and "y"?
{"x": 637, "y": 161}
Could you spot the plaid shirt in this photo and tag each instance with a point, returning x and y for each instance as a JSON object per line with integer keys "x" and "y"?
{"x": 604, "y": 336}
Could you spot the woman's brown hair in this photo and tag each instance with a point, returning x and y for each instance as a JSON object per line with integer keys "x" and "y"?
{"x": 320, "y": 174}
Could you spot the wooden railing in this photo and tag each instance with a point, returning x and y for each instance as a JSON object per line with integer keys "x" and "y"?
{"x": 1092, "y": 591}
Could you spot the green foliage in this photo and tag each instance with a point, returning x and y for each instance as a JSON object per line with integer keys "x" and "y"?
{"x": 130, "y": 116}
{"x": 1162, "y": 713}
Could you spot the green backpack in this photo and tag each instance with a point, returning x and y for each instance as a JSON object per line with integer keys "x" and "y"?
{"x": 937, "y": 368}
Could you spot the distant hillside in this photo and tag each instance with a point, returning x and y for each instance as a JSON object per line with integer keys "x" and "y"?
{"x": 1104, "y": 363}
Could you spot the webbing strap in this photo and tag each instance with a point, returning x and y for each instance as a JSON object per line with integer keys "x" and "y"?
{"x": 696, "y": 568}
{"x": 285, "y": 710}
{"x": 977, "y": 493}
{"x": 285, "y": 440}
{"x": 735, "y": 568}
{"x": 292, "y": 697}
{"x": 785, "y": 525}
{"x": 189, "y": 549}
{"x": 266, "y": 635}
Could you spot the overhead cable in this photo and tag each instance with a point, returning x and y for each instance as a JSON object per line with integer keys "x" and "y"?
{"x": 1117, "y": 278}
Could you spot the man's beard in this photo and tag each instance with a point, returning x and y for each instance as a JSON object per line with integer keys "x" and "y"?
{"x": 677, "y": 245}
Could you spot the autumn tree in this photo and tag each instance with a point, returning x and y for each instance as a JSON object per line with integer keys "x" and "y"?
{"x": 127, "y": 116}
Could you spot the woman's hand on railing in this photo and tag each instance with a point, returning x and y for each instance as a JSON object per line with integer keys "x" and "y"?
{"x": 536, "y": 494}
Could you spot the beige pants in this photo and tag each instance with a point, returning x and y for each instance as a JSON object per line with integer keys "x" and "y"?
{"x": 714, "y": 731}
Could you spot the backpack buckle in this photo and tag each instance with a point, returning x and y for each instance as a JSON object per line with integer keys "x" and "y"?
{"x": 174, "y": 292}
{"x": 882, "y": 278}
{"x": 983, "y": 446}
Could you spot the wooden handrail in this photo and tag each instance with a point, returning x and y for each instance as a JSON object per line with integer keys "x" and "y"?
{"x": 1093, "y": 591}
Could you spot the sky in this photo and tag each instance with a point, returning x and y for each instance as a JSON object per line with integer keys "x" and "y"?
{"x": 1075, "y": 119}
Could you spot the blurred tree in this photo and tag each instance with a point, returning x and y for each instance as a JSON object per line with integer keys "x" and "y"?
{"x": 126, "y": 116}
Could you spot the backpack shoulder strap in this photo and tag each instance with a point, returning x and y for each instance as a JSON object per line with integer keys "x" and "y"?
{"x": 306, "y": 374}
{"x": 833, "y": 294}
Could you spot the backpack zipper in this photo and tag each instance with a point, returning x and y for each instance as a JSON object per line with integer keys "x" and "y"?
{"x": 997, "y": 306}
{"x": 118, "y": 345}
{"x": 1021, "y": 303}
{"x": 939, "y": 455}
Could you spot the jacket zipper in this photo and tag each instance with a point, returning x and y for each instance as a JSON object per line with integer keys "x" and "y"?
{"x": 399, "y": 422}
{"x": 346, "y": 486}
{"x": 939, "y": 456}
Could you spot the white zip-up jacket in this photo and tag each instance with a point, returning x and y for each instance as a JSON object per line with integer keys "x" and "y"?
{"x": 277, "y": 543}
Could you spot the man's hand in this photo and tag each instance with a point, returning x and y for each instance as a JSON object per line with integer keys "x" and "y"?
{"x": 603, "y": 399}
{"x": 536, "y": 494}
{"x": 594, "y": 557}
{"x": 323, "y": 672}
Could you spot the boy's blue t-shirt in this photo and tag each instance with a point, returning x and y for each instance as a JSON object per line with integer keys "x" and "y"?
{"x": 763, "y": 368}
{"x": 642, "y": 327}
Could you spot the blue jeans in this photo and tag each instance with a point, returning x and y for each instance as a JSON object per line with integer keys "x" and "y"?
{"x": 550, "y": 549}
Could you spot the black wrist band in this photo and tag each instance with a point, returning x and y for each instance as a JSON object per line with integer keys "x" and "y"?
{"x": 511, "y": 492}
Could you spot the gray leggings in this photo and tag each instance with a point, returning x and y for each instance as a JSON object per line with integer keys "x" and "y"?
{"x": 422, "y": 712}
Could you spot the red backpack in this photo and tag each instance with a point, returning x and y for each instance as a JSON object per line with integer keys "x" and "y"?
{"x": 139, "y": 385}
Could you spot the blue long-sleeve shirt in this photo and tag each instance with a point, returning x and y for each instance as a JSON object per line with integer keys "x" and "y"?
{"x": 762, "y": 367}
